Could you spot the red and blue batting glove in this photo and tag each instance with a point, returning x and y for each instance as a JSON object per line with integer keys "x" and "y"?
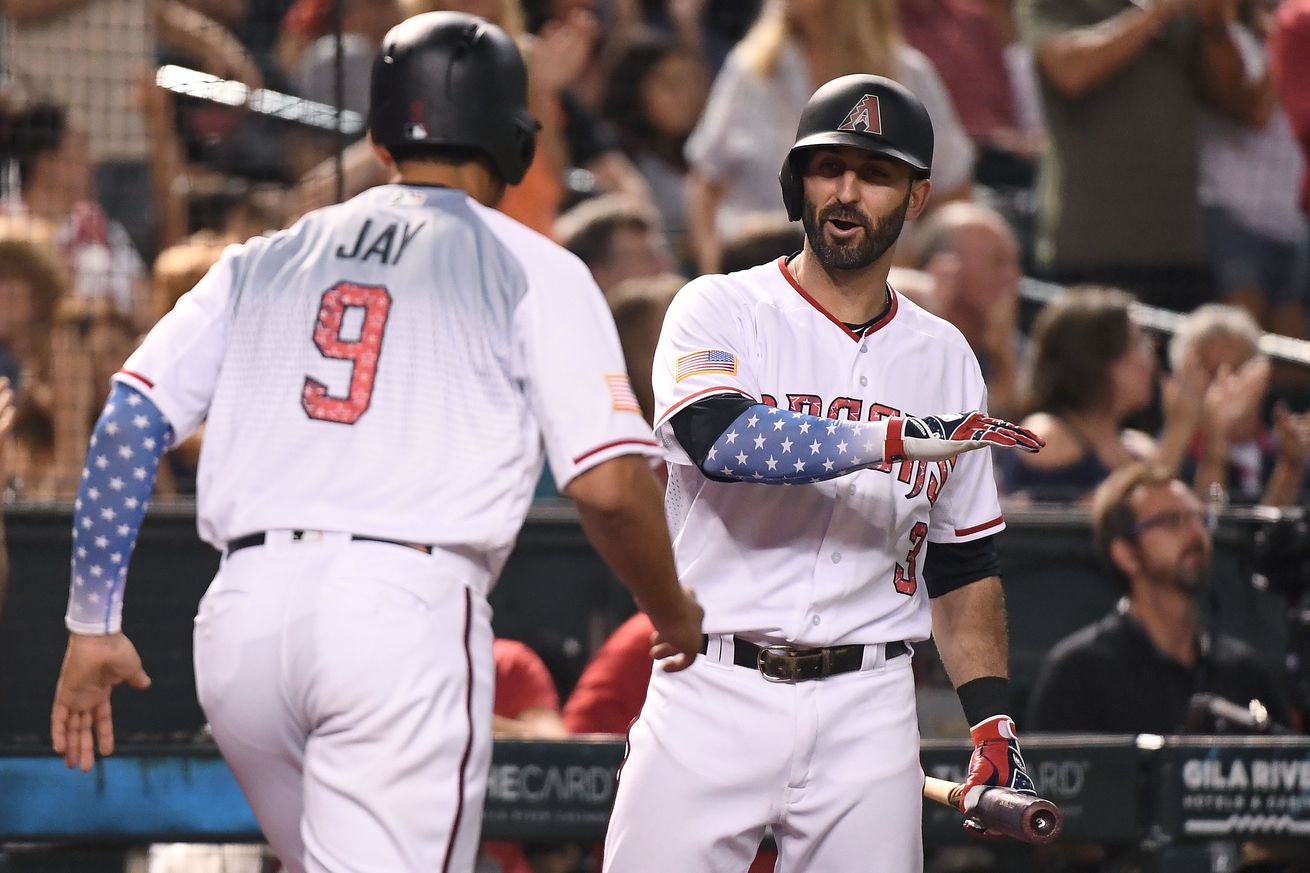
{"x": 940, "y": 437}
{"x": 996, "y": 763}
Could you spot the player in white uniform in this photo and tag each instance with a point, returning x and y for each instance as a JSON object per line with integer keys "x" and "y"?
{"x": 378, "y": 382}
{"x": 825, "y": 526}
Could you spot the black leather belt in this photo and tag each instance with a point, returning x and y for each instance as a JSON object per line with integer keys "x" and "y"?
{"x": 258, "y": 539}
{"x": 790, "y": 664}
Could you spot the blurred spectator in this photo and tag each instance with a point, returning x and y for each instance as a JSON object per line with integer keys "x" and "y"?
{"x": 306, "y": 58}
{"x": 55, "y": 170}
{"x": 526, "y": 703}
{"x": 612, "y": 688}
{"x": 1090, "y": 369}
{"x": 973, "y": 256}
{"x": 306, "y": 45}
{"x": 1021, "y": 67}
{"x": 88, "y": 344}
{"x": 1255, "y": 233}
{"x": 526, "y": 707}
{"x": 6, "y": 425}
{"x": 1289, "y": 61}
{"x": 756, "y": 101}
{"x": 968, "y": 51}
{"x": 1118, "y": 185}
{"x": 32, "y": 284}
{"x": 656, "y": 94}
{"x": 363, "y": 24}
{"x": 177, "y": 270}
{"x": 91, "y": 56}
{"x": 1142, "y": 667}
{"x": 759, "y": 239}
{"x": 617, "y": 238}
{"x": 638, "y": 306}
{"x": 1233, "y": 454}
{"x": 570, "y": 138}
{"x": 565, "y": 83}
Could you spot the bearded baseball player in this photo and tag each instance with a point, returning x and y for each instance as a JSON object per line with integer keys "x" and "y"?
{"x": 378, "y": 382}
{"x": 828, "y": 514}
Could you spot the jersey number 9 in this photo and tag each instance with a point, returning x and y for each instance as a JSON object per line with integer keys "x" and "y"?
{"x": 362, "y": 352}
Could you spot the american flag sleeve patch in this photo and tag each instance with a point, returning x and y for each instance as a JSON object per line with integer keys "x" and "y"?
{"x": 706, "y": 361}
{"x": 621, "y": 394}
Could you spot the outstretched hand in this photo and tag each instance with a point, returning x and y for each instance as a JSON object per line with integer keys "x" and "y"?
{"x": 941, "y": 437}
{"x": 93, "y": 665}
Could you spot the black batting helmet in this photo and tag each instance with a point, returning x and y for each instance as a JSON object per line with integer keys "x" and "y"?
{"x": 450, "y": 79}
{"x": 867, "y": 112}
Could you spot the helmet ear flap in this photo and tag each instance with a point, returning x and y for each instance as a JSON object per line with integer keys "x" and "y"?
{"x": 524, "y": 140}
{"x": 793, "y": 193}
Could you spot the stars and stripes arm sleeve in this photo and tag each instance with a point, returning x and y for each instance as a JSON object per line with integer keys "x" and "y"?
{"x": 768, "y": 445}
{"x": 121, "y": 463}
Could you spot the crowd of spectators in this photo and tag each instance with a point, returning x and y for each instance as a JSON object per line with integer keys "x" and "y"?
{"x": 1129, "y": 153}
{"x": 1126, "y": 153}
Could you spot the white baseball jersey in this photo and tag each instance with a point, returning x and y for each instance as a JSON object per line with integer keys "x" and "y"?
{"x": 389, "y": 366}
{"x": 834, "y": 562}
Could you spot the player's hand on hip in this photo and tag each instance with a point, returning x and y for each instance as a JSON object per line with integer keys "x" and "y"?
{"x": 677, "y": 637}
{"x": 93, "y": 665}
{"x": 996, "y": 763}
{"x": 941, "y": 437}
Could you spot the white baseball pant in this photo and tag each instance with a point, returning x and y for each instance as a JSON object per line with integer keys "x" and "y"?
{"x": 349, "y": 686}
{"x": 719, "y": 752}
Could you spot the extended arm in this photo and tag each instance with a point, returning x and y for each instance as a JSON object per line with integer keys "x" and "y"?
{"x": 733, "y": 438}
{"x": 1081, "y": 59}
{"x": 128, "y": 441}
{"x": 1225, "y": 80}
{"x": 622, "y": 512}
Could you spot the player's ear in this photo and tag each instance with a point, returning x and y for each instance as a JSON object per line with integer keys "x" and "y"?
{"x": 919, "y": 190}
{"x": 382, "y": 154}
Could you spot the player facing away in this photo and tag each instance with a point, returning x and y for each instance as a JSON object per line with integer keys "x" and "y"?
{"x": 378, "y": 383}
{"x": 826, "y": 521}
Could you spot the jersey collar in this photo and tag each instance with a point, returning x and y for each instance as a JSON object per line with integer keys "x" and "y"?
{"x": 878, "y": 325}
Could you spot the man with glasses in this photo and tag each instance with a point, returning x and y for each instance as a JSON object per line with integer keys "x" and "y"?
{"x": 1137, "y": 669}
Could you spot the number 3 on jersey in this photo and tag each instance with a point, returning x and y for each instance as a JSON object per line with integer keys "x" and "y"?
{"x": 362, "y": 352}
{"x": 906, "y": 578}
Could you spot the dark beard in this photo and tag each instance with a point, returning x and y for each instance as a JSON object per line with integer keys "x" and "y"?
{"x": 855, "y": 255}
{"x": 1190, "y": 580}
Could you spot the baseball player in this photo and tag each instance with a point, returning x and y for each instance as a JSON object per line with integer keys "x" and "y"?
{"x": 825, "y": 523}
{"x": 378, "y": 382}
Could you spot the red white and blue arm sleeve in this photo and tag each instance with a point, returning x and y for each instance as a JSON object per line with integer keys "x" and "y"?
{"x": 121, "y": 463}
{"x": 732, "y": 438}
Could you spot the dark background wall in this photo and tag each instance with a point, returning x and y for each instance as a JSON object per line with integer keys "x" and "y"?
{"x": 555, "y": 595}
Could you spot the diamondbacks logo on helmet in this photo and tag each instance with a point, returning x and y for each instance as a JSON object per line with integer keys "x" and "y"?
{"x": 864, "y": 116}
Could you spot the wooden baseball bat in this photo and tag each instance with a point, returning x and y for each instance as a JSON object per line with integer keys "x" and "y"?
{"x": 1018, "y": 816}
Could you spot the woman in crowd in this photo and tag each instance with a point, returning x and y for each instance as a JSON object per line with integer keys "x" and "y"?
{"x": 656, "y": 94}
{"x": 32, "y": 283}
{"x": 756, "y": 101}
{"x": 54, "y": 184}
{"x": 1091, "y": 369}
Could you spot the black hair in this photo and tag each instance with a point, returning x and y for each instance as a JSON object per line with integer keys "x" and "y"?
{"x": 623, "y": 104}
{"x": 26, "y": 134}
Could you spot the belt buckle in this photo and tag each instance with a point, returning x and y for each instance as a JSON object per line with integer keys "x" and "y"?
{"x": 777, "y": 655}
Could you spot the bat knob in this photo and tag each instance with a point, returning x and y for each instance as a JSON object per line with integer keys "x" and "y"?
{"x": 1043, "y": 822}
